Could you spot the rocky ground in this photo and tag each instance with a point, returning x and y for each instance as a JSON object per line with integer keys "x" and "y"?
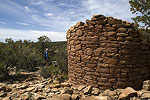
{"x": 30, "y": 86}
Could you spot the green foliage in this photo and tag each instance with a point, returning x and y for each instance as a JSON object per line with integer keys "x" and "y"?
{"x": 142, "y": 8}
{"x": 4, "y": 74}
{"x": 20, "y": 55}
{"x": 16, "y": 55}
{"x": 65, "y": 77}
{"x": 62, "y": 59}
{"x": 50, "y": 71}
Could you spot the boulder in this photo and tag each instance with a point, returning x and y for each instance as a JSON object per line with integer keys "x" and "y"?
{"x": 128, "y": 92}
{"x": 146, "y": 96}
{"x": 146, "y": 85}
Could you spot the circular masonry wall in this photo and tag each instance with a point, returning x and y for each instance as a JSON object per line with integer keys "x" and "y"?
{"x": 107, "y": 53}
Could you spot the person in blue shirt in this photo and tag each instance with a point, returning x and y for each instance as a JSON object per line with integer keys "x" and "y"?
{"x": 46, "y": 56}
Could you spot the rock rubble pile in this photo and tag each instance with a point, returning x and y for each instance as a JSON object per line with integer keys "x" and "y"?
{"x": 43, "y": 90}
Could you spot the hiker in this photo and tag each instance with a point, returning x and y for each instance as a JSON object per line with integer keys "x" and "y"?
{"x": 46, "y": 56}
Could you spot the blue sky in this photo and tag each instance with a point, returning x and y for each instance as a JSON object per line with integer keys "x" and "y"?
{"x": 30, "y": 19}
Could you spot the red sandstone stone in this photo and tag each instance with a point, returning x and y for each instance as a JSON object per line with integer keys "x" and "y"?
{"x": 110, "y": 60}
{"x": 78, "y": 47}
{"x": 88, "y": 51}
{"x": 122, "y": 34}
{"x": 79, "y": 32}
{"x": 104, "y": 84}
{"x": 121, "y": 30}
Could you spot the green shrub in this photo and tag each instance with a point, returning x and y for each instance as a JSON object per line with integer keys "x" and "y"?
{"x": 62, "y": 60}
{"x": 65, "y": 77}
{"x": 4, "y": 73}
{"x": 50, "y": 71}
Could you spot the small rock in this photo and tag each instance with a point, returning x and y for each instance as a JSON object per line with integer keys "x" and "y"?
{"x": 38, "y": 96}
{"x": 54, "y": 90}
{"x": 6, "y": 98}
{"x": 65, "y": 84}
{"x": 50, "y": 94}
{"x": 3, "y": 94}
{"x": 87, "y": 90}
{"x": 146, "y": 95}
{"x": 63, "y": 96}
{"x": 75, "y": 87}
{"x": 105, "y": 93}
{"x": 41, "y": 85}
{"x": 55, "y": 82}
{"x": 55, "y": 86}
{"x": 64, "y": 90}
{"x": 146, "y": 85}
{"x": 17, "y": 99}
{"x": 75, "y": 97}
{"x": 36, "y": 89}
{"x": 95, "y": 98}
{"x": 102, "y": 98}
{"x": 48, "y": 90}
{"x": 6, "y": 88}
{"x": 14, "y": 95}
{"x": 58, "y": 92}
{"x": 55, "y": 99}
{"x": 25, "y": 97}
{"x": 81, "y": 87}
{"x": 24, "y": 86}
{"x": 30, "y": 89}
{"x": 14, "y": 85}
{"x": 112, "y": 93}
{"x": 95, "y": 91}
{"x": 140, "y": 93}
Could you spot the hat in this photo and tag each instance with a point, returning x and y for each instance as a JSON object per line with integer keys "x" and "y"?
{"x": 46, "y": 49}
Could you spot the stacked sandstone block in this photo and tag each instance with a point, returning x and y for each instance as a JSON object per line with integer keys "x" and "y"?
{"x": 107, "y": 53}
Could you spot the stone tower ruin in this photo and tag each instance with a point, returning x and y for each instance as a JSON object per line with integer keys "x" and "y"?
{"x": 107, "y": 53}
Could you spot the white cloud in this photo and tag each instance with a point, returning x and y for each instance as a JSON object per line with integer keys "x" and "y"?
{"x": 21, "y": 23}
{"x": 54, "y": 23}
{"x": 40, "y": 2}
{"x": 48, "y": 14}
{"x": 61, "y": 15}
{"x": 62, "y": 4}
{"x": 37, "y": 3}
{"x": 116, "y": 8}
{"x": 27, "y": 8}
{"x": 3, "y": 23}
{"x": 30, "y": 34}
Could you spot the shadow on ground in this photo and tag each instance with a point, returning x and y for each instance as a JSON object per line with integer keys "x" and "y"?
{"x": 19, "y": 77}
